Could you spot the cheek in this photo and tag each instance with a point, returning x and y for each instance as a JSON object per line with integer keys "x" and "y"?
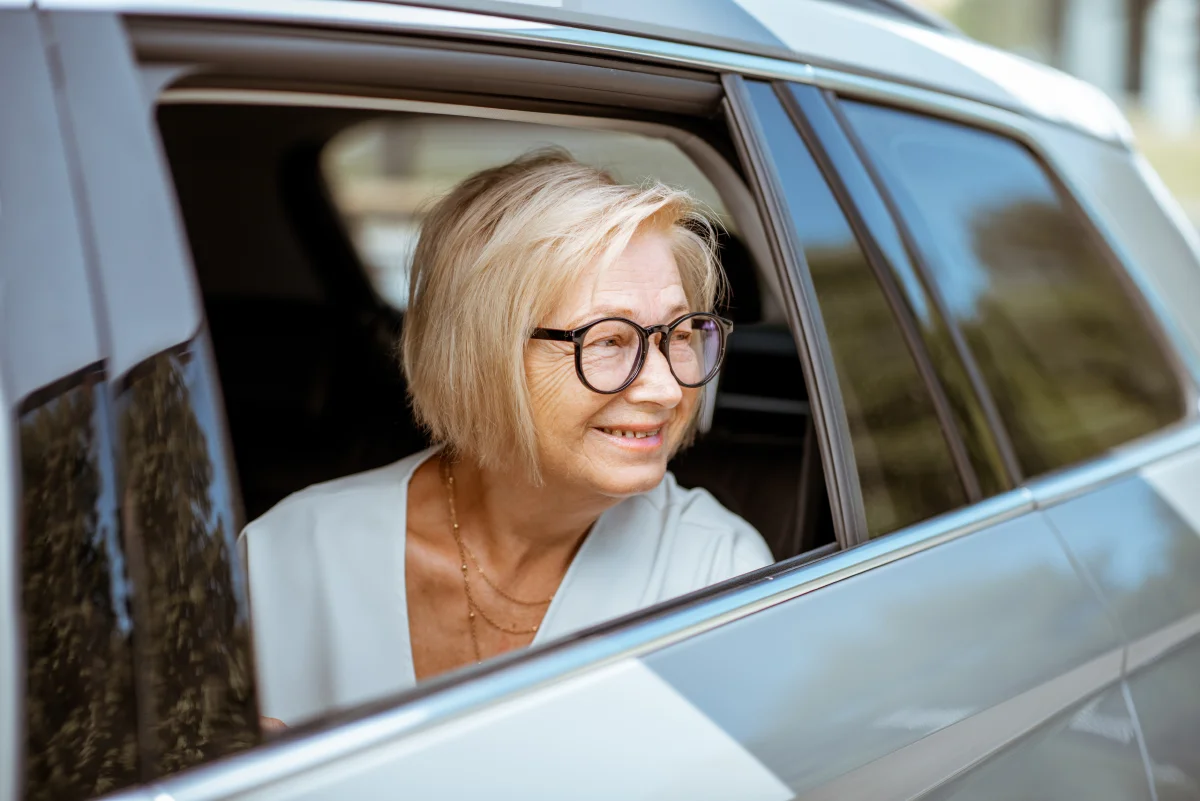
{"x": 559, "y": 399}
{"x": 688, "y": 407}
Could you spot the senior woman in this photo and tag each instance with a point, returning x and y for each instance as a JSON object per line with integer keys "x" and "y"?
{"x": 557, "y": 339}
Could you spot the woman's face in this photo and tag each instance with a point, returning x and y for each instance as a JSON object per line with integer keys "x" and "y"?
{"x": 581, "y": 433}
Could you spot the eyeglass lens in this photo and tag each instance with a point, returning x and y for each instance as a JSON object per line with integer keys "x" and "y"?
{"x": 610, "y": 350}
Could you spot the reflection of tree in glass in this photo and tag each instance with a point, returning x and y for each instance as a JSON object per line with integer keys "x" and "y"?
{"x": 198, "y": 646}
{"x": 903, "y": 461}
{"x": 1072, "y": 366}
{"x": 80, "y": 708}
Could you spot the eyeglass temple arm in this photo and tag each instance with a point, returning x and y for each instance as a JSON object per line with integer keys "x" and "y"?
{"x": 555, "y": 334}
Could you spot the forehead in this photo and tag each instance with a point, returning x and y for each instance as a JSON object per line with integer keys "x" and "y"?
{"x": 642, "y": 282}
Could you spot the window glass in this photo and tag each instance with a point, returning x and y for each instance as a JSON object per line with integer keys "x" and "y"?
{"x": 177, "y": 505}
{"x": 80, "y": 707}
{"x": 1069, "y": 358}
{"x": 904, "y": 462}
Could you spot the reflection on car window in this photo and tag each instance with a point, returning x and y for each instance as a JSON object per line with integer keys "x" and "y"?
{"x": 904, "y": 462}
{"x": 384, "y": 176}
{"x": 178, "y": 509}
{"x": 80, "y": 707}
{"x": 1069, "y": 358}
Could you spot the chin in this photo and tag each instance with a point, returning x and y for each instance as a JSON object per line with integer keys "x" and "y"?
{"x": 625, "y": 481}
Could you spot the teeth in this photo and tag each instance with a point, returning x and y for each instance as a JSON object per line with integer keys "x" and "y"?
{"x": 616, "y": 432}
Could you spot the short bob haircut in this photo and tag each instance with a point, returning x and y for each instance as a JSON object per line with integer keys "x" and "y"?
{"x": 493, "y": 260}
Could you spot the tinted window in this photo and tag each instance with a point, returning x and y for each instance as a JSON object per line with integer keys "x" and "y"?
{"x": 80, "y": 710}
{"x": 1064, "y": 349}
{"x": 903, "y": 459}
{"x": 177, "y": 505}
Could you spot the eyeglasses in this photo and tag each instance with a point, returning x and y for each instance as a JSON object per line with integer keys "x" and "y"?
{"x": 610, "y": 353}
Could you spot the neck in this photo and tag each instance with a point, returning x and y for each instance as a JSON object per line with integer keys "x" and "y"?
{"x": 515, "y": 524}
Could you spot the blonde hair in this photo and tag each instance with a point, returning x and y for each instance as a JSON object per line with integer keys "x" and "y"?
{"x": 493, "y": 259}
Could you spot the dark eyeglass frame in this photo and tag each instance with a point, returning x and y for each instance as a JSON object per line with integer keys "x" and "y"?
{"x": 577, "y": 335}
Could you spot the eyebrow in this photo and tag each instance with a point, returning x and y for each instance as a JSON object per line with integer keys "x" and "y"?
{"x": 678, "y": 310}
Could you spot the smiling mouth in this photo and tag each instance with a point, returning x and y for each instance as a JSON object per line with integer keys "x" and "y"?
{"x": 619, "y": 432}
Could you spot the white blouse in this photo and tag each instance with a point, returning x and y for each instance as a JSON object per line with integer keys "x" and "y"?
{"x": 326, "y": 578}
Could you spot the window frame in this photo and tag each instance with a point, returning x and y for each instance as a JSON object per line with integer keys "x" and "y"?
{"x": 1099, "y": 236}
{"x": 891, "y": 250}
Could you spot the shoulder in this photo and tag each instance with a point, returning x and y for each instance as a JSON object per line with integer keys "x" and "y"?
{"x": 700, "y": 542}
{"x": 694, "y": 508}
{"x": 341, "y": 504}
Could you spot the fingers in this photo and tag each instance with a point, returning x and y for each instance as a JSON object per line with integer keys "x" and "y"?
{"x": 270, "y": 726}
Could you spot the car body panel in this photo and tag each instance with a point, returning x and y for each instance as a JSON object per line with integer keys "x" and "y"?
{"x": 1168, "y": 707}
{"x": 47, "y": 325}
{"x": 1091, "y": 752}
{"x": 651, "y": 742}
{"x": 1138, "y": 538}
{"x": 933, "y": 636}
{"x": 138, "y": 237}
{"x": 814, "y": 33}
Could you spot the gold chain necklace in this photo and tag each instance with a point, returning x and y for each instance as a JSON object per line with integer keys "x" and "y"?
{"x": 473, "y": 607}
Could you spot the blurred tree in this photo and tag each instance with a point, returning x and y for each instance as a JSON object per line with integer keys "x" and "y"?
{"x": 80, "y": 710}
{"x": 198, "y": 647}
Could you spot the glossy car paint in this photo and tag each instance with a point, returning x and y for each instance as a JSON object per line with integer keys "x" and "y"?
{"x": 1001, "y": 650}
{"x": 906, "y": 653}
{"x": 47, "y": 324}
{"x": 1138, "y": 539}
{"x": 815, "y": 34}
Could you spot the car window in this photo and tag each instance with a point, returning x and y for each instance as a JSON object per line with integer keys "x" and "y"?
{"x": 80, "y": 703}
{"x": 903, "y": 459}
{"x": 1062, "y": 345}
{"x": 309, "y": 376}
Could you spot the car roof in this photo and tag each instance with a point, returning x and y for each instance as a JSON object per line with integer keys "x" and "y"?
{"x": 889, "y": 39}
{"x": 876, "y": 39}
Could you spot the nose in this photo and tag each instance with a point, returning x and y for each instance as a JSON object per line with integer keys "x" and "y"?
{"x": 655, "y": 384}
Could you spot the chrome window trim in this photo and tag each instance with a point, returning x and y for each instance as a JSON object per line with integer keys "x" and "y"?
{"x": 805, "y": 319}
{"x": 1125, "y": 460}
{"x": 386, "y": 16}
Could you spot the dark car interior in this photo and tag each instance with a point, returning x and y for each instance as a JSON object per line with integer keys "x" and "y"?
{"x": 306, "y": 350}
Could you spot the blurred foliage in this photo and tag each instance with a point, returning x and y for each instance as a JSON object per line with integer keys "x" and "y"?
{"x": 198, "y": 664}
{"x": 80, "y": 710}
{"x": 192, "y": 646}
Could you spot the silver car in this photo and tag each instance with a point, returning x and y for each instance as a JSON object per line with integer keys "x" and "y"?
{"x": 960, "y": 402}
